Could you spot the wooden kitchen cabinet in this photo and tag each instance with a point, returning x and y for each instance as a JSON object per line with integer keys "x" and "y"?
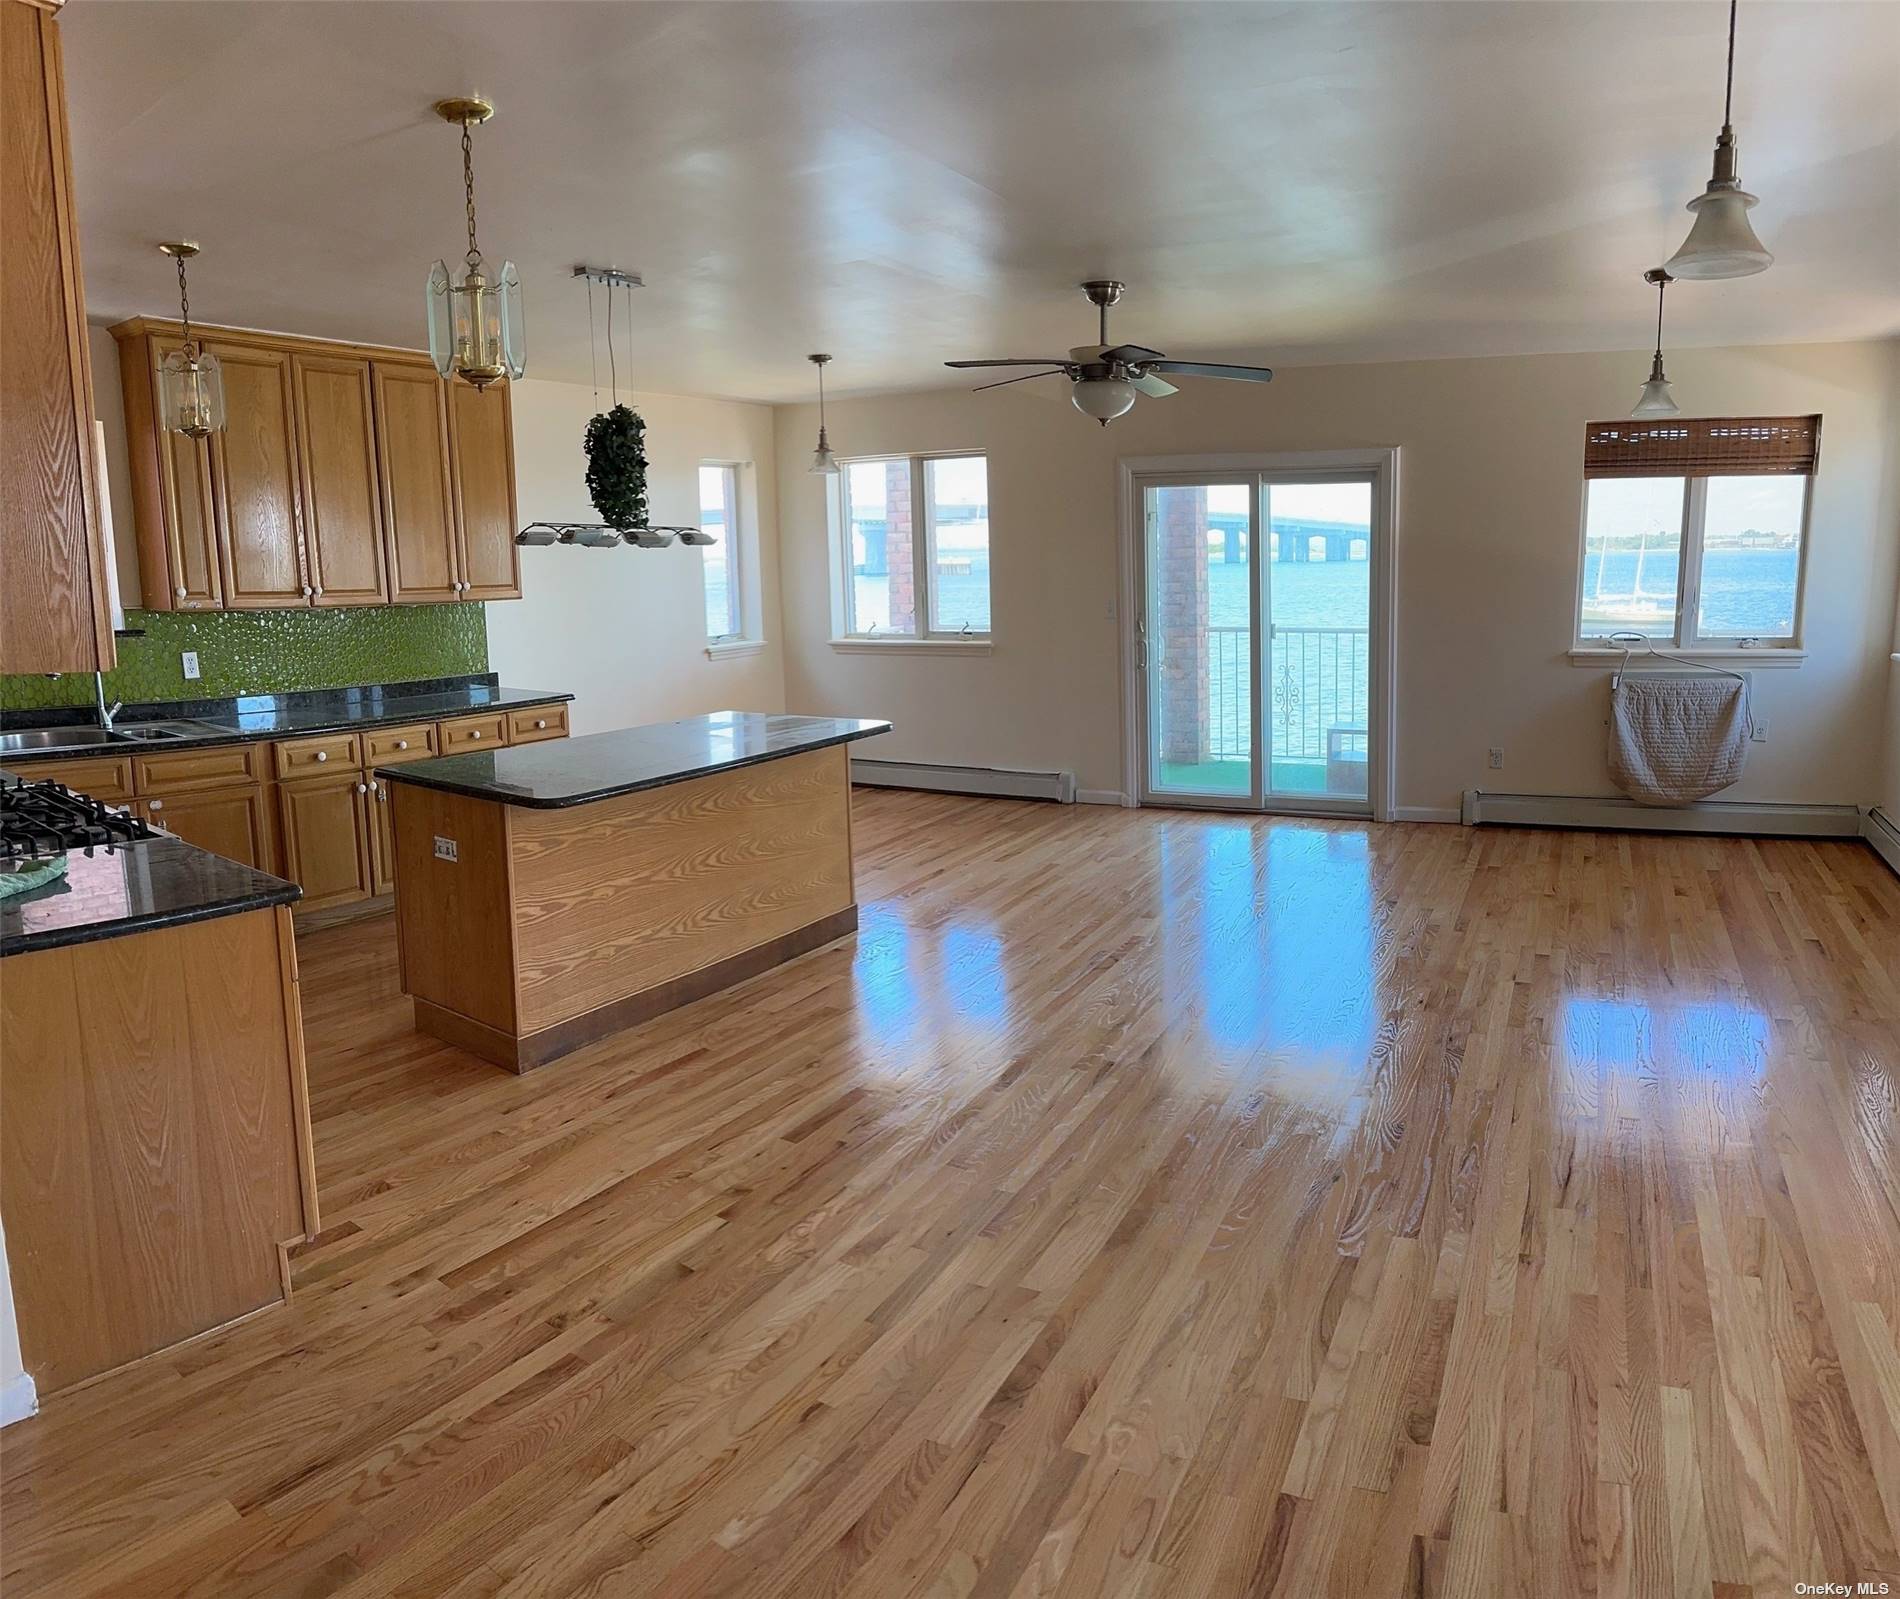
{"x": 326, "y": 826}
{"x": 417, "y": 487}
{"x": 232, "y": 822}
{"x": 254, "y": 480}
{"x": 537, "y": 722}
{"x": 342, "y": 497}
{"x": 481, "y": 454}
{"x": 103, "y": 777}
{"x": 54, "y": 608}
{"x": 171, "y": 491}
{"x": 382, "y": 838}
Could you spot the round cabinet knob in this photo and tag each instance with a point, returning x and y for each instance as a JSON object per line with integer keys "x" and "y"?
{"x": 476, "y": 734}
{"x": 181, "y": 591}
{"x": 317, "y": 593}
{"x": 306, "y": 591}
{"x": 323, "y": 755}
{"x": 402, "y": 743}
{"x": 540, "y": 722}
{"x": 362, "y": 788}
{"x": 155, "y": 805}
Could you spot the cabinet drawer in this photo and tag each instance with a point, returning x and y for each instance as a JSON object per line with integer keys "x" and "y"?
{"x": 391, "y": 746}
{"x": 224, "y": 766}
{"x": 108, "y": 779}
{"x": 472, "y": 733}
{"x": 318, "y": 756}
{"x": 536, "y": 722}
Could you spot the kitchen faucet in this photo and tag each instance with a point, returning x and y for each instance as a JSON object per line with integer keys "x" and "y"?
{"x": 106, "y": 713}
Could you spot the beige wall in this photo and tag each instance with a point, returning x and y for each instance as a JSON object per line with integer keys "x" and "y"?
{"x": 1489, "y": 503}
{"x": 624, "y": 629}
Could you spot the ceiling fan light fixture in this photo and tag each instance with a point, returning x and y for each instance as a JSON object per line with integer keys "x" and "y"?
{"x": 1103, "y": 398}
{"x": 823, "y": 462}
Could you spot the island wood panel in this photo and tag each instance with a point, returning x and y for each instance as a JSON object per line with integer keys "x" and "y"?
{"x": 627, "y": 894}
{"x": 458, "y": 935}
{"x": 53, "y": 611}
{"x": 342, "y": 496}
{"x": 255, "y": 473}
{"x": 153, "y": 1140}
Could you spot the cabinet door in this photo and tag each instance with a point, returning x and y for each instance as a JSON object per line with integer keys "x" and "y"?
{"x": 254, "y": 482}
{"x": 53, "y": 608}
{"x": 482, "y": 447}
{"x": 342, "y": 499}
{"x": 326, "y": 847}
{"x": 231, "y": 822}
{"x": 382, "y": 838}
{"x": 412, "y": 432}
{"x": 178, "y": 557}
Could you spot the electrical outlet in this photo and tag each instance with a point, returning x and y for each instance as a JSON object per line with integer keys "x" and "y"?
{"x": 1497, "y": 759}
{"x": 444, "y": 848}
{"x": 1758, "y": 732}
{"x": 190, "y": 660}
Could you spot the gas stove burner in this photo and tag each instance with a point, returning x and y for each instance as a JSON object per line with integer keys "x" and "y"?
{"x": 43, "y": 819}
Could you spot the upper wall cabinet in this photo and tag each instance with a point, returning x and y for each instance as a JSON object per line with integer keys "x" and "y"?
{"x": 54, "y": 606}
{"x": 345, "y": 475}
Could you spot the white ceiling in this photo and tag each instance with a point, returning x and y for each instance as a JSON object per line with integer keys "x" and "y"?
{"x": 905, "y": 183}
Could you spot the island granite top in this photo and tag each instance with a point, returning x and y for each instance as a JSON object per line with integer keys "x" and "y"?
{"x": 137, "y": 888}
{"x": 598, "y": 766}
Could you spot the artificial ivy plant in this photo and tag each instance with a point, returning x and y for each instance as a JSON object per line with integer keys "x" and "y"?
{"x": 617, "y": 467}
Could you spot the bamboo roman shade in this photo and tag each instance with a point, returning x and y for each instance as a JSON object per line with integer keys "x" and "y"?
{"x": 1710, "y": 446}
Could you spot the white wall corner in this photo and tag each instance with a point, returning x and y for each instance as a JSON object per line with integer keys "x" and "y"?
{"x": 18, "y": 1399}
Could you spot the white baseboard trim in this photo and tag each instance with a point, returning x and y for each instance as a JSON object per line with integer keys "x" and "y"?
{"x": 1883, "y": 833}
{"x": 997, "y": 781}
{"x": 18, "y": 1399}
{"x": 1759, "y": 818}
{"x": 1100, "y": 796}
{"x": 1425, "y": 813}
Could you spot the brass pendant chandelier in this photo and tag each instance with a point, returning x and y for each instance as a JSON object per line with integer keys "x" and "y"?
{"x": 474, "y": 320}
{"x": 190, "y": 380}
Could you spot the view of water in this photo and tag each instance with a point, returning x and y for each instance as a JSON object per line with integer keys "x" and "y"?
{"x": 1745, "y": 593}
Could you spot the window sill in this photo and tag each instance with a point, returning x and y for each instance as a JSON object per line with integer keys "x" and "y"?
{"x": 726, "y": 649}
{"x": 1767, "y": 655}
{"x": 911, "y": 646}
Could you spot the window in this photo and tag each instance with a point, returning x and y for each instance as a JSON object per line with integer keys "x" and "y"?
{"x": 722, "y": 564}
{"x": 1693, "y": 531}
{"x": 914, "y": 547}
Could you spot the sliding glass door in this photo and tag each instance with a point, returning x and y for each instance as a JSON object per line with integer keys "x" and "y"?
{"x": 1255, "y": 641}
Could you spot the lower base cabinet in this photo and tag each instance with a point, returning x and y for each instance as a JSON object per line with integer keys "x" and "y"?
{"x": 327, "y": 838}
{"x": 234, "y": 823}
{"x": 382, "y": 839}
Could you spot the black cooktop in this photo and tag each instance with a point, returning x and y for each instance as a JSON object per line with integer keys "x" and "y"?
{"x": 43, "y": 819}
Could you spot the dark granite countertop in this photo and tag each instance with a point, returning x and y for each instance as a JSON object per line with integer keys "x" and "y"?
{"x": 578, "y": 771}
{"x": 258, "y": 716}
{"x": 161, "y": 882}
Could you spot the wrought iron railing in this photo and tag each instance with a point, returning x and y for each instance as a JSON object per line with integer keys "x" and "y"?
{"x": 1318, "y": 683}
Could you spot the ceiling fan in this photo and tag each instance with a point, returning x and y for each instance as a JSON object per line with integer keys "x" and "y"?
{"x": 1106, "y": 378}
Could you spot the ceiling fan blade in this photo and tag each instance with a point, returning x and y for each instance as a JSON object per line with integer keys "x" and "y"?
{"x": 1213, "y": 369}
{"x": 1148, "y": 383}
{"x": 1130, "y": 353}
{"x": 1003, "y": 383}
{"x": 1047, "y": 360}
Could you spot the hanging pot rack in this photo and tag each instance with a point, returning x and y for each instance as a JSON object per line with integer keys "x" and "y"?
{"x": 598, "y": 535}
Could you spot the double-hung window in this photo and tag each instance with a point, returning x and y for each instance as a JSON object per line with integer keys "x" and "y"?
{"x": 912, "y": 546}
{"x": 1695, "y": 530}
{"x": 723, "y": 562}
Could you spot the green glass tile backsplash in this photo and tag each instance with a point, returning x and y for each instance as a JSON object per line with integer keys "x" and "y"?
{"x": 273, "y": 652}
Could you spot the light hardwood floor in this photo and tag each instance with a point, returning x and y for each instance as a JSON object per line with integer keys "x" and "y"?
{"x": 1142, "y": 1204}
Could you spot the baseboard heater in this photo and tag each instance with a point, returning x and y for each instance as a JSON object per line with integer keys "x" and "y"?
{"x": 1002, "y": 782}
{"x": 1762, "y": 819}
{"x": 1883, "y": 833}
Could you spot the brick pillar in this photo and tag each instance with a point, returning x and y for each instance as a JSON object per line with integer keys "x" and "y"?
{"x": 899, "y": 550}
{"x": 1182, "y": 551}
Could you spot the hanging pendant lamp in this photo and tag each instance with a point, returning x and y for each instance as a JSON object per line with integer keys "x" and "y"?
{"x": 474, "y": 320}
{"x": 1656, "y": 400}
{"x": 1722, "y": 244}
{"x": 190, "y": 380}
{"x": 823, "y": 462}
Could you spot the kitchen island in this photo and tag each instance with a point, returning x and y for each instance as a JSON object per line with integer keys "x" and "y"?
{"x": 551, "y": 894}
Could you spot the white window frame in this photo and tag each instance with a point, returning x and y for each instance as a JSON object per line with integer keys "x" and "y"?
{"x": 738, "y": 546}
{"x": 844, "y": 623}
{"x": 1687, "y": 633}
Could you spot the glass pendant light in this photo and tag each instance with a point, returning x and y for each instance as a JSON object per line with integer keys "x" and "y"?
{"x": 474, "y": 321}
{"x": 190, "y": 380}
{"x": 1103, "y": 398}
{"x": 823, "y": 462}
{"x": 1655, "y": 400}
{"x": 1722, "y": 244}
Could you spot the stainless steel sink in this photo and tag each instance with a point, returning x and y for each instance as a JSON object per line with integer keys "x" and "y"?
{"x": 40, "y": 739}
